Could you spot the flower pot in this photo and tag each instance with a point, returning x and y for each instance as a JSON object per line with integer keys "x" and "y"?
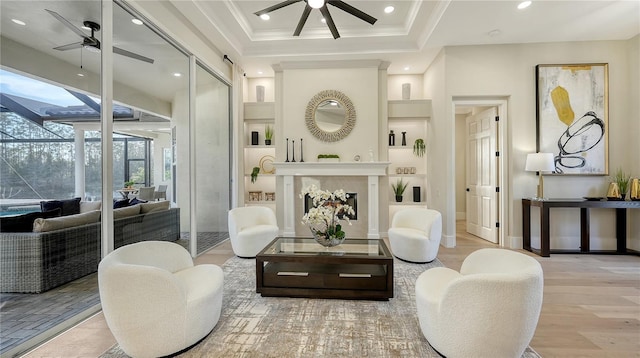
{"x": 267, "y": 141}
{"x": 326, "y": 241}
{"x": 399, "y": 198}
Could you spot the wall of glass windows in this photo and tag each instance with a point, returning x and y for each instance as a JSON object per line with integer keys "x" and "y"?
{"x": 51, "y": 138}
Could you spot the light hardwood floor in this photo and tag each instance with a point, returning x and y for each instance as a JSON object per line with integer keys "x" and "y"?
{"x": 591, "y": 306}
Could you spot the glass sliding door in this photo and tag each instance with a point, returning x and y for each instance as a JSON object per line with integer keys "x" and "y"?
{"x": 212, "y": 158}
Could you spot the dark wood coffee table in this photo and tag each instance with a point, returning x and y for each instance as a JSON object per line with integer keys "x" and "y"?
{"x": 300, "y": 267}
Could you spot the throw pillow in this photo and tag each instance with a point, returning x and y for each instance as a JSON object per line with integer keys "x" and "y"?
{"x": 155, "y": 206}
{"x": 86, "y": 206}
{"x": 121, "y": 203}
{"x": 135, "y": 201}
{"x": 126, "y": 211}
{"x": 24, "y": 222}
{"x": 68, "y": 207}
{"x": 63, "y": 222}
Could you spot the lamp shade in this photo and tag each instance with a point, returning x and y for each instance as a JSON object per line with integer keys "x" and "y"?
{"x": 540, "y": 162}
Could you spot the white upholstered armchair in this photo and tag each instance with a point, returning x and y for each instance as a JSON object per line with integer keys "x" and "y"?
{"x": 488, "y": 309}
{"x": 155, "y": 301}
{"x": 415, "y": 234}
{"x": 251, "y": 228}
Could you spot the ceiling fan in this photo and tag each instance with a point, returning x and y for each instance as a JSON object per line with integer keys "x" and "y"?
{"x": 322, "y": 5}
{"x": 91, "y": 43}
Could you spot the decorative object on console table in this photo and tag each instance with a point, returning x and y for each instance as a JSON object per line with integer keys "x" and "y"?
{"x": 301, "y": 154}
{"x": 613, "y": 193}
{"x": 398, "y": 189}
{"x": 579, "y": 141}
{"x": 622, "y": 180}
{"x": 634, "y": 192}
{"x": 416, "y": 194}
{"x": 404, "y": 139}
{"x": 254, "y": 138}
{"x": 419, "y": 147}
{"x": 259, "y": 93}
{"x": 268, "y": 134}
{"x": 392, "y": 138}
{"x": 540, "y": 162}
{"x": 406, "y": 91}
{"x": 324, "y": 218}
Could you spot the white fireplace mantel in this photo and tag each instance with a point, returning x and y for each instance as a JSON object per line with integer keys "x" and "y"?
{"x": 371, "y": 170}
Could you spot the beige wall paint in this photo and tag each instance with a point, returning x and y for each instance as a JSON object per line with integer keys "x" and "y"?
{"x": 509, "y": 71}
{"x": 461, "y": 166}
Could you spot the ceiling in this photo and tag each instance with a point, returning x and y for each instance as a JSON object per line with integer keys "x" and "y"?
{"x": 410, "y": 37}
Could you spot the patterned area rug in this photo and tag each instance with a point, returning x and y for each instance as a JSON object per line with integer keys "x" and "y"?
{"x": 255, "y": 326}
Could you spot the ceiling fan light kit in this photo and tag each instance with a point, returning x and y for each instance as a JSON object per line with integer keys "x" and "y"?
{"x": 322, "y": 6}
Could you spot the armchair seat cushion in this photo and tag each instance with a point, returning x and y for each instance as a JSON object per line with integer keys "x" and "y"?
{"x": 251, "y": 228}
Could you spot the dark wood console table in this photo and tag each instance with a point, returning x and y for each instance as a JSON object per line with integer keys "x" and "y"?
{"x": 584, "y": 205}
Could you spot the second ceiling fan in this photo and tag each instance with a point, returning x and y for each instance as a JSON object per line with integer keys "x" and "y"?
{"x": 322, "y": 6}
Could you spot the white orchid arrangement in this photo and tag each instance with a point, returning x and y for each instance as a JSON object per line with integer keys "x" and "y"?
{"x": 328, "y": 210}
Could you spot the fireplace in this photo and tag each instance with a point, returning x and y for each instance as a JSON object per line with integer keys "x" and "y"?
{"x": 352, "y": 201}
{"x": 365, "y": 178}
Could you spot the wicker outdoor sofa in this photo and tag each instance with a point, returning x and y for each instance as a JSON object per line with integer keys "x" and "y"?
{"x": 33, "y": 262}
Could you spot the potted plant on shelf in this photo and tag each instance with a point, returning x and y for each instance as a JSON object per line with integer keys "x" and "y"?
{"x": 398, "y": 189}
{"x": 622, "y": 180}
{"x": 419, "y": 147}
{"x": 129, "y": 184}
{"x": 254, "y": 174}
{"x": 268, "y": 134}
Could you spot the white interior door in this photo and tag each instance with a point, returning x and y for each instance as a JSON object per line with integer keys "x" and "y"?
{"x": 481, "y": 175}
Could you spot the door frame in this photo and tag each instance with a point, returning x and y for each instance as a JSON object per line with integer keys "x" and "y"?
{"x": 500, "y": 103}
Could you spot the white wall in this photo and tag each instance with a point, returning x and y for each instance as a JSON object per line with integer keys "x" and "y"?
{"x": 461, "y": 166}
{"x": 299, "y": 87}
{"x": 509, "y": 70}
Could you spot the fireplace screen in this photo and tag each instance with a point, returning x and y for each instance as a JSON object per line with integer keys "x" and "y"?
{"x": 352, "y": 201}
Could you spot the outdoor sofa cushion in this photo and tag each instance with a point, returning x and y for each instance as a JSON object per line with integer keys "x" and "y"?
{"x": 154, "y": 206}
{"x": 44, "y": 225}
{"x": 126, "y": 211}
{"x": 24, "y": 222}
{"x": 68, "y": 207}
{"x": 86, "y": 206}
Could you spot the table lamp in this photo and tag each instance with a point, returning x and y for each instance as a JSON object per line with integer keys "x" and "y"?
{"x": 540, "y": 162}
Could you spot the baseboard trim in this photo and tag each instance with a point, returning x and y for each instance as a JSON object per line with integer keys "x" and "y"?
{"x": 448, "y": 241}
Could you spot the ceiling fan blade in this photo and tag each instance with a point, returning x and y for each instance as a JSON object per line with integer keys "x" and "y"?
{"x": 69, "y": 46}
{"x": 276, "y": 7}
{"x": 330, "y": 23}
{"x": 303, "y": 20}
{"x": 66, "y": 23}
{"x": 130, "y": 54}
{"x": 353, "y": 11}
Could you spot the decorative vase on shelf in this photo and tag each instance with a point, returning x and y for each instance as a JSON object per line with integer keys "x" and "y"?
{"x": 392, "y": 138}
{"x": 404, "y": 138}
{"x": 398, "y": 198}
{"x": 406, "y": 91}
{"x": 254, "y": 138}
{"x": 634, "y": 190}
{"x": 259, "y": 93}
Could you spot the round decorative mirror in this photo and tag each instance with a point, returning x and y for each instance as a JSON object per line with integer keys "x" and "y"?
{"x": 330, "y": 116}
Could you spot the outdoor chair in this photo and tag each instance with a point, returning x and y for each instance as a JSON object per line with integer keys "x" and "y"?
{"x": 161, "y": 193}
{"x": 146, "y": 193}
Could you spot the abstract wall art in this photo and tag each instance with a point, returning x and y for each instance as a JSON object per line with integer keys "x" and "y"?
{"x": 572, "y": 117}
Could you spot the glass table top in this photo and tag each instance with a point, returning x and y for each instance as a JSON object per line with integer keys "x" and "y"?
{"x": 309, "y": 247}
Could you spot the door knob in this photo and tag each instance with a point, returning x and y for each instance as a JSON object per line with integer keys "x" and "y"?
{"x": 467, "y": 189}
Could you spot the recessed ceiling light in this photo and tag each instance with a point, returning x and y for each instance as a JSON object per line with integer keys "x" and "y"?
{"x": 136, "y": 21}
{"x": 259, "y": 72}
{"x": 389, "y": 9}
{"x": 406, "y": 68}
{"x": 524, "y": 5}
{"x": 19, "y": 22}
{"x": 265, "y": 17}
{"x": 316, "y": 4}
{"x": 177, "y": 74}
{"x": 80, "y": 75}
